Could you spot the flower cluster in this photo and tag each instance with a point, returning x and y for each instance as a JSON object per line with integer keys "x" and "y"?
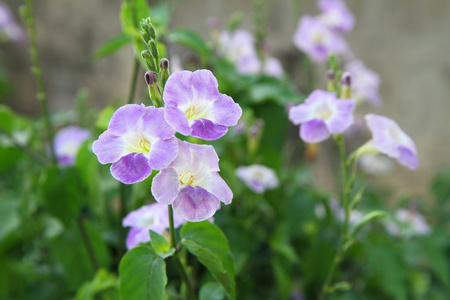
{"x": 140, "y": 139}
{"x": 238, "y": 47}
{"x": 407, "y": 223}
{"x": 320, "y": 36}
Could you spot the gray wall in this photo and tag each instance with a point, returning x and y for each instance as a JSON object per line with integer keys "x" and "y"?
{"x": 406, "y": 41}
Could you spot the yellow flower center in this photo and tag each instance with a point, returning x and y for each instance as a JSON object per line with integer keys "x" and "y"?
{"x": 187, "y": 178}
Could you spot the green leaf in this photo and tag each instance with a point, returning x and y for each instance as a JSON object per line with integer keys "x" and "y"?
{"x": 160, "y": 245}
{"x": 104, "y": 116}
{"x": 102, "y": 282}
{"x": 113, "y": 45}
{"x": 366, "y": 219}
{"x": 208, "y": 243}
{"x": 211, "y": 291}
{"x": 62, "y": 192}
{"x": 191, "y": 40}
{"x": 131, "y": 14}
{"x": 9, "y": 217}
{"x": 142, "y": 275}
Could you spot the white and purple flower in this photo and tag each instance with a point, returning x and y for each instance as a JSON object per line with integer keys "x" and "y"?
{"x": 137, "y": 141}
{"x": 336, "y": 15}
{"x": 154, "y": 217}
{"x": 192, "y": 184}
{"x": 390, "y": 139}
{"x": 365, "y": 83}
{"x": 8, "y": 25}
{"x": 67, "y": 142}
{"x": 258, "y": 177}
{"x": 321, "y": 115}
{"x": 407, "y": 223}
{"x": 317, "y": 40}
{"x": 194, "y": 106}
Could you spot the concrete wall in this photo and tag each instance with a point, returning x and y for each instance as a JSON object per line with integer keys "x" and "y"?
{"x": 406, "y": 41}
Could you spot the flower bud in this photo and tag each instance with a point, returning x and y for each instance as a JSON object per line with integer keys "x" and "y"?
{"x": 164, "y": 71}
{"x": 153, "y": 49}
{"x": 147, "y": 26}
{"x": 153, "y": 89}
{"x": 346, "y": 86}
{"x": 148, "y": 60}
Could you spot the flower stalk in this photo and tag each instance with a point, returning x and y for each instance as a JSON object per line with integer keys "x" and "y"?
{"x": 28, "y": 16}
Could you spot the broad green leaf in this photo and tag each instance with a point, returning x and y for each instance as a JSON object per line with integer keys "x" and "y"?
{"x": 191, "y": 40}
{"x": 113, "y": 45}
{"x": 142, "y": 275}
{"x": 160, "y": 245}
{"x": 6, "y": 119}
{"x": 208, "y": 243}
{"x": 131, "y": 14}
{"x": 104, "y": 116}
{"x": 211, "y": 291}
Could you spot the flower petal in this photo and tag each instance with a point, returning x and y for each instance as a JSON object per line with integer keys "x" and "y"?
{"x": 314, "y": 131}
{"x": 195, "y": 204}
{"x": 301, "y": 113}
{"x": 178, "y": 89}
{"x": 207, "y": 130}
{"x": 153, "y": 125}
{"x": 165, "y": 186}
{"x": 225, "y": 111}
{"x": 162, "y": 153}
{"x": 177, "y": 119}
{"x": 131, "y": 168}
{"x": 408, "y": 158}
{"x": 136, "y": 236}
{"x": 205, "y": 85}
{"x": 108, "y": 148}
{"x": 218, "y": 187}
{"x": 125, "y": 119}
{"x": 342, "y": 118}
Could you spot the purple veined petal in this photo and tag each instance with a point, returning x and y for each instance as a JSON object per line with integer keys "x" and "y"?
{"x": 67, "y": 142}
{"x": 125, "y": 119}
{"x": 314, "y": 131}
{"x": 152, "y": 216}
{"x": 195, "y": 204}
{"x": 215, "y": 185}
{"x": 165, "y": 186}
{"x": 204, "y": 85}
{"x": 162, "y": 153}
{"x": 178, "y": 89}
{"x": 225, "y": 111}
{"x": 301, "y": 113}
{"x": 108, "y": 148}
{"x": 153, "y": 125}
{"x": 207, "y": 130}
{"x": 408, "y": 158}
{"x": 131, "y": 168}
{"x": 177, "y": 119}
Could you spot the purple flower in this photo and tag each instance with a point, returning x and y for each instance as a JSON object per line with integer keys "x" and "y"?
{"x": 272, "y": 67}
{"x": 317, "y": 40}
{"x": 239, "y": 48}
{"x": 336, "y": 15}
{"x": 258, "y": 177}
{"x": 9, "y": 26}
{"x": 194, "y": 106}
{"x": 67, "y": 142}
{"x": 137, "y": 140}
{"x": 191, "y": 183}
{"x": 407, "y": 223}
{"x": 365, "y": 82}
{"x": 389, "y": 139}
{"x": 321, "y": 115}
{"x": 149, "y": 217}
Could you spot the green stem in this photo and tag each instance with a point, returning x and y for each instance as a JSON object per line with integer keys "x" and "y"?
{"x": 176, "y": 257}
{"x": 87, "y": 243}
{"x": 344, "y": 236}
{"x": 133, "y": 83}
{"x": 28, "y": 15}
